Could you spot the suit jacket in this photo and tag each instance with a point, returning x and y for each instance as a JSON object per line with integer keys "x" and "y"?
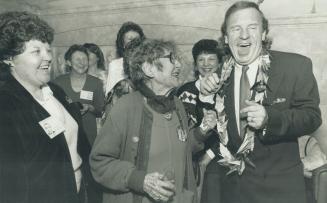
{"x": 35, "y": 168}
{"x": 292, "y": 106}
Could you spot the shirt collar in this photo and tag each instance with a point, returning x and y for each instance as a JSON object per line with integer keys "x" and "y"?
{"x": 253, "y": 65}
{"x": 47, "y": 92}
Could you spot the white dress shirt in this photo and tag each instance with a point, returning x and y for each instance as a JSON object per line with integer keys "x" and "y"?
{"x": 251, "y": 73}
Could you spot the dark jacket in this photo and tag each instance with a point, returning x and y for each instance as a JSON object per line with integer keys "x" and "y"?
{"x": 33, "y": 167}
{"x": 292, "y": 106}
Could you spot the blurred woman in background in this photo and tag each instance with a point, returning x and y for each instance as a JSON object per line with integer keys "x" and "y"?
{"x": 83, "y": 88}
{"x": 43, "y": 149}
{"x": 117, "y": 82}
{"x": 96, "y": 62}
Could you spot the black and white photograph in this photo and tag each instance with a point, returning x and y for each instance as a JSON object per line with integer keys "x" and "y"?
{"x": 176, "y": 101}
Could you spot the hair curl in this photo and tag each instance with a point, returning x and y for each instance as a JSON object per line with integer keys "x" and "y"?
{"x": 126, "y": 27}
{"x": 17, "y": 28}
{"x": 240, "y": 5}
{"x": 149, "y": 51}
{"x": 95, "y": 49}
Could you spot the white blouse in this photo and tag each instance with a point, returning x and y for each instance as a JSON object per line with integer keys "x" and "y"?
{"x": 58, "y": 112}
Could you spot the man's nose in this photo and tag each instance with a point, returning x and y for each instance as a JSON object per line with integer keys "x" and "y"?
{"x": 244, "y": 34}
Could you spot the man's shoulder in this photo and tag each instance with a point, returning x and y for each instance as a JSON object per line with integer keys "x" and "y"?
{"x": 289, "y": 56}
{"x": 290, "y": 62}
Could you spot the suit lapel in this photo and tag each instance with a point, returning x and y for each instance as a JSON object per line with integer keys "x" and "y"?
{"x": 274, "y": 80}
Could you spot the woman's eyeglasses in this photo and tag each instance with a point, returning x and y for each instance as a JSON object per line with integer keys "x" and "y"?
{"x": 172, "y": 57}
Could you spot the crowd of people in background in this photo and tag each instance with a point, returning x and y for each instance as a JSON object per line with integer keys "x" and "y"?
{"x": 135, "y": 132}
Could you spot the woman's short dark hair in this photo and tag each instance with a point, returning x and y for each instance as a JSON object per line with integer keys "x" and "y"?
{"x": 126, "y": 27}
{"x": 240, "y": 5}
{"x": 71, "y": 50}
{"x": 17, "y": 28}
{"x": 95, "y": 49}
{"x": 207, "y": 46}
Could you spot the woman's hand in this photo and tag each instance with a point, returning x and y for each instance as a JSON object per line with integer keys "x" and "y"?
{"x": 158, "y": 188}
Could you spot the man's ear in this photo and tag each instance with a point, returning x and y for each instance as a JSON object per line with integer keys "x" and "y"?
{"x": 68, "y": 63}
{"x": 147, "y": 68}
{"x": 9, "y": 62}
{"x": 263, "y": 36}
{"x": 226, "y": 39}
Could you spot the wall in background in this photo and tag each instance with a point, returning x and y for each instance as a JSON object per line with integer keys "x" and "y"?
{"x": 298, "y": 26}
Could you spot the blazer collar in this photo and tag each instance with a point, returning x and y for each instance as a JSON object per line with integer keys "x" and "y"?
{"x": 13, "y": 87}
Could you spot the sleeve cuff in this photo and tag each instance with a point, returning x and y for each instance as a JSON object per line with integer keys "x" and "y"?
{"x": 274, "y": 124}
{"x": 210, "y": 154}
{"x": 136, "y": 180}
{"x": 207, "y": 99}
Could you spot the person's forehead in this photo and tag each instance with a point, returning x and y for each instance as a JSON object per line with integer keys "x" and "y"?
{"x": 246, "y": 15}
{"x": 91, "y": 53}
{"x": 36, "y": 43}
{"x": 207, "y": 54}
{"x": 131, "y": 33}
{"x": 78, "y": 53}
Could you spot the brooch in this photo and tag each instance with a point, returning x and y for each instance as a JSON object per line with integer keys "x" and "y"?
{"x": 69, "y": 100}
{"x": 168, "y": 116}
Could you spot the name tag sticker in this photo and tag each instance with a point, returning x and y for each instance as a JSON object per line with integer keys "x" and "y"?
{"x": 52, "y": 127}
{"x": 87, "y": 95}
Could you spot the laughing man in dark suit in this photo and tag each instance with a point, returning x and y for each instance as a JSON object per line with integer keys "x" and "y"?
{"x": 266, "y": 108}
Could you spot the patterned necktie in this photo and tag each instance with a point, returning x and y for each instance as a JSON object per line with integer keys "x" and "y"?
{"x": 245, "y": 94}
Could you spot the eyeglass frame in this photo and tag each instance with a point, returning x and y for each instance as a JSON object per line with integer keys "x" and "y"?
{"x": 172, "y": 58}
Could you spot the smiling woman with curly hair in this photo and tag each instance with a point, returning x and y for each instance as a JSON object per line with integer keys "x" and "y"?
{"x": 43, "y": 150}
